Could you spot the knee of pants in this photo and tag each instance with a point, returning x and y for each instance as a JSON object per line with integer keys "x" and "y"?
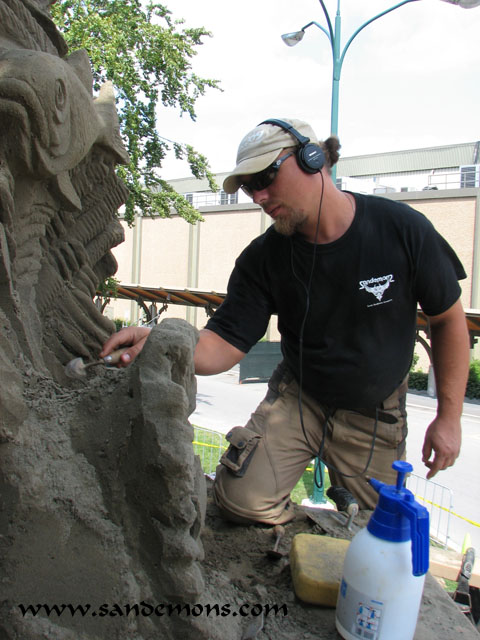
{"x": 242, "y": 503}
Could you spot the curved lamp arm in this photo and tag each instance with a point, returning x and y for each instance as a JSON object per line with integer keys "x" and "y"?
{"x": 333, "y": 35}
{"x": 365, "y": 24}
{"x": 294, "y": 37}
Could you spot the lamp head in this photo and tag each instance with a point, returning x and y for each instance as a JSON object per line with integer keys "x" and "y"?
{"x": 291, "y": 39}
{"x": 465, "y": 4}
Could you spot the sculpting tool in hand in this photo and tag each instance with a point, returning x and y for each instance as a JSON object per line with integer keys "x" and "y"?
{"x": 76, "y": 368}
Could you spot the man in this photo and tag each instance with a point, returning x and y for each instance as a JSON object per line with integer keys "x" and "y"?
{"x": 344, "y": 273}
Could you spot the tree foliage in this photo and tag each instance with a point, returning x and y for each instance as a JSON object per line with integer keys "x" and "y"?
{"x": 147, "y": 55}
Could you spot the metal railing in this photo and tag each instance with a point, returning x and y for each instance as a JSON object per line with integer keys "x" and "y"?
{"x": 209, "y": 446}
{"x": 209, "y": 199}
{"x": 438, "y": 500}
{"x": 454, "y": 180}
{"x": 467, "y": 177}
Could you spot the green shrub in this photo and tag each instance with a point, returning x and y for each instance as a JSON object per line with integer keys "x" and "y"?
{"x": 120, "y": 323}
{"x": 418, "y": 380}
{"x": 473, "y": 383}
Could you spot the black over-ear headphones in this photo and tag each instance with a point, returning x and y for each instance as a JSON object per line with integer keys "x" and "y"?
{"x": 310, "y": 156}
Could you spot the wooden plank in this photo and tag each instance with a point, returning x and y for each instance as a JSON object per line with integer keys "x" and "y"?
{"x": 445, "y": 563}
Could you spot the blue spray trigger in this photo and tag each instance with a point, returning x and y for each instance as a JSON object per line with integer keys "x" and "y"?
{"x": 398, "y": 517}
{"x": 402, "y": 468}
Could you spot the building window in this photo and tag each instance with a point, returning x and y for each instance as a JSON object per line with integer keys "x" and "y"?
{"x": 228, "y": 198}
{"x": 469, "y": 176}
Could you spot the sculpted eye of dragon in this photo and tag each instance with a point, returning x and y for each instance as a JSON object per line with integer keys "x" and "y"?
{"x": 59, "y": 195}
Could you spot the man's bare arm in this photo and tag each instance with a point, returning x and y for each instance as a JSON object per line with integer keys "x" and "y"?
{"x": 212, "y": 355}
{"x": 450, "y": 353}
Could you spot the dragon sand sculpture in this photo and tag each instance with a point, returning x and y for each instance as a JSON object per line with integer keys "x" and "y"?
{"x": 101, "y": 497}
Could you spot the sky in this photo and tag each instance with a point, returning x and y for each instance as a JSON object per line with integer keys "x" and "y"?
{"x": 409, "y": 80}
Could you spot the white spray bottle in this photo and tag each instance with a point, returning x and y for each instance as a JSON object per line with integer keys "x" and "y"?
{"x": 385, "y": 567}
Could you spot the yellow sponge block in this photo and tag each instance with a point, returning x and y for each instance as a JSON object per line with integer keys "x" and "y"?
{"x": 316, "y": 563}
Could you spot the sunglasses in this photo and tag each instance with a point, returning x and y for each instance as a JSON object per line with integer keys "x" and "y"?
{"x": 263, "y": 179}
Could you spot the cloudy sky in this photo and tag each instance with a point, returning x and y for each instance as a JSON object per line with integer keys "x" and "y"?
{"x": 409, "y": 80}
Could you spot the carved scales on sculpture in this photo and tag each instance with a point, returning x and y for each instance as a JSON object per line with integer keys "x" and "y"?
{"x": 59, "y": 193}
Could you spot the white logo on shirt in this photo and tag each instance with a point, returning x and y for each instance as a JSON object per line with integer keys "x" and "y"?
{"x": 377, "y": 286}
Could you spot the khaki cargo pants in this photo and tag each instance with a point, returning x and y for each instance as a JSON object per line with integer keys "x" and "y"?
{"x": 268, "y": 456}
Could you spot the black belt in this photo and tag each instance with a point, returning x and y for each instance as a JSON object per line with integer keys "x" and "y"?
{"x": 377, "y": 414}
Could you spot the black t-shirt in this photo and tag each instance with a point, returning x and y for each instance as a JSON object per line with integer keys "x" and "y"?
{"x": 359, "y": 330}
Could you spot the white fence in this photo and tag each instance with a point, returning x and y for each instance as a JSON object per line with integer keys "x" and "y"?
{"x": 438, "y": 500}
{"x": 209, "y": 446}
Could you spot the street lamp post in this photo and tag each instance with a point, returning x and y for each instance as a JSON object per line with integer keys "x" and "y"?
{"x": 338, "y": 56}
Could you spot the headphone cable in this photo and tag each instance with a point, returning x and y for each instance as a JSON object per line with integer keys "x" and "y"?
{"x": 329, "y": 413}
{"x": 307, "y": 288}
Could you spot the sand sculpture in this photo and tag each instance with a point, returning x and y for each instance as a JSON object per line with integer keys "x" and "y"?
{"x": 100, "y": 494}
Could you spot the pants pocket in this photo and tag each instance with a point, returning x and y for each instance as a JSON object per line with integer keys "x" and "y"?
{"x": 352, "y": 428}
{"x": 237, "y": 457}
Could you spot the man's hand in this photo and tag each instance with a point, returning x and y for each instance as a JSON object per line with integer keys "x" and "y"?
{"x": 135, "y": 336}
{"x": 443, "y": 439}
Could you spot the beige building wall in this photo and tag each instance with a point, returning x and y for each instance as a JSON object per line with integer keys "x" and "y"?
{"x": 171, "y": 253}
{"x": 455, "y": 219}
{"x": 223, "y": 236}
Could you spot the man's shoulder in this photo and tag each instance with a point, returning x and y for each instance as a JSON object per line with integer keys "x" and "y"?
{"x": 392, "y": 211}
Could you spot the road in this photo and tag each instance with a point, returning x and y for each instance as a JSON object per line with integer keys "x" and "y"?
{"x": 223, "y": 403}
{"x": 463, "y": 478}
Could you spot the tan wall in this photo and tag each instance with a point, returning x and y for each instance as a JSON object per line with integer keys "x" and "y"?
{"x": 222, "y": 238}
{"x": 454, "y": 219}
{"x": 123, "y": 254}
{"x": 174, "y": 254}
{"x": 164, "y": 258}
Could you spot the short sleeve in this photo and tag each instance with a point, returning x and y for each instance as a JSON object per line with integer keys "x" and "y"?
{"x": 437, "y": 274}
{"x": 242, "y": 319}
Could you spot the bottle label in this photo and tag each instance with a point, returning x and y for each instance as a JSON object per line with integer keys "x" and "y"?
{"x": 358, "y": 614}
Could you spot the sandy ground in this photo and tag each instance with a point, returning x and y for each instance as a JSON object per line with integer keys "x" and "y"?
{"x": 238, "y": 571}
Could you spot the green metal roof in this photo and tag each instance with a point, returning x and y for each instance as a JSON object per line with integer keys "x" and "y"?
{"x": 393, "y": 162}
{"x": 409, "y": 161}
